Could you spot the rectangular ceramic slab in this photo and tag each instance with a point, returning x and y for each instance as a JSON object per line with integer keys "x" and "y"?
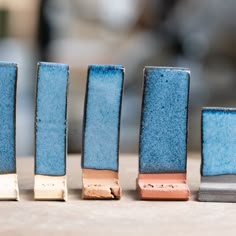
{"x": 51, "y": 119}
{"x": 9, "y": 187}
{"x": 8, "y": 177}
{"x": 51, "y": 132}
{"x": 50, "y": 188}
{"x": 218, "y": 181}
{"x": 102, "y": 117}
{"x": 163, "y": 187}
{"x": 218, "y": 141}
{"x": 8, "y": 84}
{"x": 220, "y": 188}
{"x": 100, "y": 184}
{"x": 163, "y": 132}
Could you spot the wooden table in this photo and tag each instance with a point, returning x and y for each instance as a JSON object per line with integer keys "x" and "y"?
{"x": 129, "y": 216}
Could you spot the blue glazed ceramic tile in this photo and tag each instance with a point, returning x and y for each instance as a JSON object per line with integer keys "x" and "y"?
{"x": 8, "y": 82}
{"x": 51, "y": 119}
{"x": 102, "y": 117}
{"x": 163, "y": 133}
{"x": 218, "y": 141}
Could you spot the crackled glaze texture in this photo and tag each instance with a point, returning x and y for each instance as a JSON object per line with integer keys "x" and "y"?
{"x": 51, "y": 123}
{"x": 8, "y": 81}
{"x": 102, "y": 117}
{"x": 163, "y": 134}
{"x": 218, "y": 141}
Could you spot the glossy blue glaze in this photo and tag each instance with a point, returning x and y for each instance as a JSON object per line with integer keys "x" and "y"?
{"x": 51, "y": 124}
{"x": 218, "y": 141}
{"x": 163, "y": 134}
{"x": 102, "y": 117}
{"x": 8, "y": 81}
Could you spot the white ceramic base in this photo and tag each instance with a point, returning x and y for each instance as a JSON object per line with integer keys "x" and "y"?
{"x": 50, "y": 187}
{"x": 9, "y": 187}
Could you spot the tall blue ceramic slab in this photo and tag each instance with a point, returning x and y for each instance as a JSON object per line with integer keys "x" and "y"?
{"x": 51, "y": 119}
{"x": 218, "y": 141}
{"x": 163, "y": 133}
{"x": 102, "y": 117}
{"x": 8, "y": 84}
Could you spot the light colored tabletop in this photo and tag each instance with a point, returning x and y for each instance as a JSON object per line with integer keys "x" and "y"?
{"x": 128, "y": 216}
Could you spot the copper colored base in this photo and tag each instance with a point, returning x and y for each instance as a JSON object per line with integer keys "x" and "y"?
{"x": 163, "y": 187}
{"x": 100, "y": 184}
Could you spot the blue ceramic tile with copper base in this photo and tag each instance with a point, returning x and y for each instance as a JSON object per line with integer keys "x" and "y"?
{"x": 8, "y": 176}
{"x": 218, "y": 168}
{"x": 100, "y": 153}
{"x": 51, "y": 131}
{"x": 163, "y": 134}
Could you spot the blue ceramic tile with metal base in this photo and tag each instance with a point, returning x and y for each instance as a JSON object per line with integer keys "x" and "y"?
{"x": 51, "y": 131}
{"x": 8, "y": 177}
{"x": 218, "y": 170}
{"x": 163, "y": 134}
{"x": 101, "y": 132}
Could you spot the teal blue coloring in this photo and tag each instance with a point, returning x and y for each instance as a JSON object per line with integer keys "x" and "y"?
{"x": 163, "y": 133}
{"x": 8, "y": 83}
{"x": 51, "y": 119}
{"x": 102, "y": 117}
{"x": 218, "y": 141}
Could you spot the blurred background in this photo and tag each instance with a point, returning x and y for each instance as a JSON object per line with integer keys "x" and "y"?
{"x": 134, "y": 33}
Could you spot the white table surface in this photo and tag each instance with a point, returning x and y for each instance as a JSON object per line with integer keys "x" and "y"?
{"x": 128, "y": 216}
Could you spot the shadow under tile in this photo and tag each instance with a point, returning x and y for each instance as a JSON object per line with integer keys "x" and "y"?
{"x": 26, "y": 195}
{"x": 194, "y": 195}
{"x": 74, "y": 194}
{"x": 131, "y": 194}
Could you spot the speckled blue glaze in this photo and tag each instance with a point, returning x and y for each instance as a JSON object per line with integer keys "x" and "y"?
{"x": 163, "y": 134}
{"x": 102, "y": 117}
{"x": 51, "y": 124}
{"x": 8, "y": 81}
{"x": 218, "y": 141}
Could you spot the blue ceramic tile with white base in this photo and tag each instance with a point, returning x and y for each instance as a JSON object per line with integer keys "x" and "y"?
{"x": 163, "y": 132}
{"x": 51, "y": 131}
{"x": 8, "y": 177}
{"x": 101, "y": 130}
{"x": 218, "y": 169}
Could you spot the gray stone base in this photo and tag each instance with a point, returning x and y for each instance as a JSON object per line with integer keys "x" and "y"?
{"x": 220, "y": 188}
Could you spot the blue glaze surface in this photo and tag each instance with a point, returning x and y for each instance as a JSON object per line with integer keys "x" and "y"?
{"x": 102, "y": 117}
{"x": 51, "y": 124}
{"x": 163, "y": 134}
{"x": 218, "y": 141}
{"x": 8, "y": 81}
